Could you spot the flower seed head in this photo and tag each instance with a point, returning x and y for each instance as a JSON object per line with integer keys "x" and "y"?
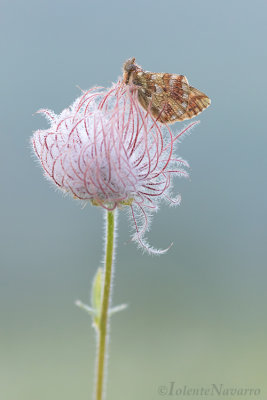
{"x": 106, "y": 149}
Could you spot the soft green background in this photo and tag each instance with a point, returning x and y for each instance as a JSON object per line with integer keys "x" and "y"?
{"x": 197, "y": 315}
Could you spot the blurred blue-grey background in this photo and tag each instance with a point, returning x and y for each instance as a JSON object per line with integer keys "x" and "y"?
{"x": 197, "y": 315}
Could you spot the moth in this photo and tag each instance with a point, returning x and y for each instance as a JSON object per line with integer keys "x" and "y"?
{"x": 168, "y": 97}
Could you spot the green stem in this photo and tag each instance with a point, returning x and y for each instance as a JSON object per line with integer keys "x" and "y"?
{"x": 103, "y": 323}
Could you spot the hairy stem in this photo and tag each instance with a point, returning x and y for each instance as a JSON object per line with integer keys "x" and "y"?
{"x": 103, "y": 322}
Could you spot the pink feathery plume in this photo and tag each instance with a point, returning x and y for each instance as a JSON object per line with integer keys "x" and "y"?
{"x": 106, "y": 149}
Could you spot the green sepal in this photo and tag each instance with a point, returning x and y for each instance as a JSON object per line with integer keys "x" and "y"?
{"x": 96, "y": 300}
{"x": 96, "y": 295}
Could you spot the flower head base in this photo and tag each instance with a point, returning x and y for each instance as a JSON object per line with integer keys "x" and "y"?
{"x": 106, "y": 149}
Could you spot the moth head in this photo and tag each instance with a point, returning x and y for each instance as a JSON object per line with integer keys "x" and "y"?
{"x": 128, "y": 67}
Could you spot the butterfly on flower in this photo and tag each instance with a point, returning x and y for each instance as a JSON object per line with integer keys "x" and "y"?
{"x": 168, "y": 97}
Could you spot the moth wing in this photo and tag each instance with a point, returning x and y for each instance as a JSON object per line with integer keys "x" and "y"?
{"x": 169, "y": 97}
{"x": 198, "y": 101}
{"x": 166, "y": 96}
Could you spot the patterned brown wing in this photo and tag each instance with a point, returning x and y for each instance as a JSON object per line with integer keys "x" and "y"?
{"x": 197, "y": 102}
{"x": 183, "y": 101}
{"x": 168, "y": 97}
{"x": 165, "y": 95}
{"x": 179, "y": 110}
